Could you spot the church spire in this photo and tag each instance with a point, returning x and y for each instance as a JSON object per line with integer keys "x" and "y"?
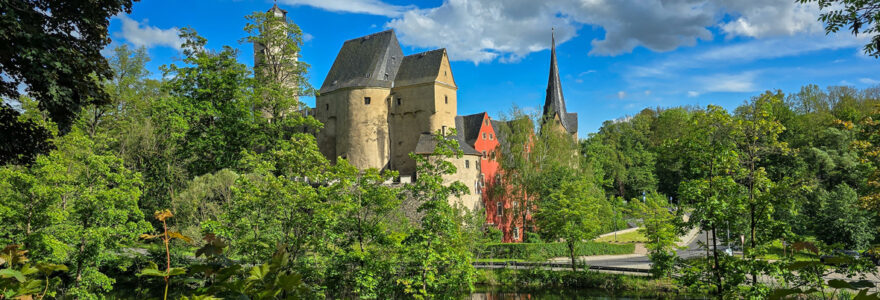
{"x": 554, "y": 104}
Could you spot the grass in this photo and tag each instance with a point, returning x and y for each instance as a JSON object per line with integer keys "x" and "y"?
{"x": 611, "y": 284}
{"x": 498, "y": 260}
{"x": 774, "y": 252}
{"x": 626, "y": 238}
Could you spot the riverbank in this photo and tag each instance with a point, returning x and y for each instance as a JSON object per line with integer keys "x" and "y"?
{"x": 608, "y": 284}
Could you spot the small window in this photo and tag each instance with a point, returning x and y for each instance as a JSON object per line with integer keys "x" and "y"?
{"x": 515, "y": 233}
{"x": 499, "y": 209}
{"x": 477, "y": 162}
{"x": 366, "y": 100}
{"x": 446, "y": 99}
{"x": 486, "y": 121}
{"x": 477, "y": 187}
{"x": 326, "y": 106}
{"x": 467, "y": 164}
{"x": 398, "y": 101}
{"x": 443, "y": 130}
{"x": 491, "y": 137}
{"x": 514, "y": 205}
{"x": 484, "y": 135}
{"x": 484, "y": 154}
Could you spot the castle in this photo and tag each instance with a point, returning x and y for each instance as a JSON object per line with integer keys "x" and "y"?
{"x": 379, "y": 105}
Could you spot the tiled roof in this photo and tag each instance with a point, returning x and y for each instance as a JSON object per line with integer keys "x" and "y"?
{"x": 427, "y": 143}
{"x": 368, "y": 61}
{"x": 469, "y": 126}
{"x": 419, "y": 68}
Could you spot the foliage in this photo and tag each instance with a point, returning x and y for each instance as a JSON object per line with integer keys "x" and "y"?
{"x": 661, "y": 234}
{"x": 571, "y": 213}
{"x": 166, "y": 236}
{"x": 543, "y": 251}
{"x": 19, "y": 279}
{"x": 53, "y": 49}
{"x": 840, "y": 220}
{"x": 435, "y": 256}
{"x": 861, "y": 16}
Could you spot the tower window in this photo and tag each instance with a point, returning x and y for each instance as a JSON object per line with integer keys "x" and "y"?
{"x": 446, "y": 99}
{"x": 326, "y": 106}
{"x": 366, "y": 100}
{"x": 467, "y": 164}
{"x": 398, "y": 101}
{"x": 443, "y": 130}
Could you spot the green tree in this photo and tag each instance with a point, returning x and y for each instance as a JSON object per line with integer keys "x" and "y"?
{"x": 435, "y": 252}
{"x": 571, "y": 212}
{"x": 861, "y": 16}
{"x": 712, "y": 192}
{"x": 841, "y": 220}
{"x": 757, "y": 137}
{"x": 53, "y": 49}
{"x": 661, "y": 232}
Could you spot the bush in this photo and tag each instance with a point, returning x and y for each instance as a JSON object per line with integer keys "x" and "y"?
{"x": 494, "y": 234}
{"x": 532, "y": 237}
{"x": 542, "y": 251}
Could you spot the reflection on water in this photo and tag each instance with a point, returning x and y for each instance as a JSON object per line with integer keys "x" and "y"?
{"x": 562, "y": 294}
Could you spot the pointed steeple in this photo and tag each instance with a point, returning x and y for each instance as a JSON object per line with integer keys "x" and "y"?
{"x": 554, "y": 104}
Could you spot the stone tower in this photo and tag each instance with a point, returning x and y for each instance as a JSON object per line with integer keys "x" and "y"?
{"x": 423, "y": 100}
{"x": 354, "y": 101}
{"x": 554, "y": 105}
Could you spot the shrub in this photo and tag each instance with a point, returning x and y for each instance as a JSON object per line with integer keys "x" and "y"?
{"x": 542, "y": 251}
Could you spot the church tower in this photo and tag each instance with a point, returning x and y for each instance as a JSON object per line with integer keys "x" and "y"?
{"x": 554, "y": 105}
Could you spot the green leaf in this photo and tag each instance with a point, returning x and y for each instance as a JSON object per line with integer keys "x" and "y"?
{"x": 176, "y": 271}
{"x": 839, "y": 284}
{"x": 782, "y": 293}
{"x": 10, "y": 273}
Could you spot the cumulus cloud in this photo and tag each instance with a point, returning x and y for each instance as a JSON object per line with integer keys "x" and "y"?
{"x": 621, "y": 95}
{"x": 307, "y": 37}
{"x": 143, "y": 35}
{"x": 693, "y": 94}
{"x": 370, "y": 7}
{"x": 507, "y": 30}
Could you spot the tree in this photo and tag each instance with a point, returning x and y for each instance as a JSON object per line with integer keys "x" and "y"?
{"x": 861, "y": 16}
{"x": 661, "y": 232}
{"x": 208, "y": 111}
{"x": 436, "y": 257}
{"x": 712, "y": 191}
{"x": 841, "y": 220}
{"x": 77, "y": 206}
{"x": 365, "y": 235}
{"x": 757, "y": 138}
{"x": 571, "y": 212}
{"x": 52, "y": 48}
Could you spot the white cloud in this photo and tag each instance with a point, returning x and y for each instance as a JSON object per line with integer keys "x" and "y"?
{"x": 742, "y": 82}
{"x": 507, "y": 30}
{"x": 143, "y": 35}
{"x": 370, "y": 7}
{"x": 621, "y": 95}
{"x": 307, "y": 37}
{"x": 647, "y": 92}
{"x": 763, "y": 18}
{"x": 869, "y": 81}
{"x": 693, "y": 94}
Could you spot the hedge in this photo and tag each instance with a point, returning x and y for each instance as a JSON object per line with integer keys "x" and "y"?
{"x": 542, "y": 251}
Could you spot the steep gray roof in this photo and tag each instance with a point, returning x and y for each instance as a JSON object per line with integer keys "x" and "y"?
{"x": 500, "y": 131}
{"x": 276, "y": 8}
{"x": 469, "y": 127}
{"x": 555, "y": 102}
{"x": 368, "y": 61}
{"x": 419, "y": 68}
{"x": 427, "y": 143}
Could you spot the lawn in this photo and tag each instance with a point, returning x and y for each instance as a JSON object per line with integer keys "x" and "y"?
{"x": 626, "y": 238}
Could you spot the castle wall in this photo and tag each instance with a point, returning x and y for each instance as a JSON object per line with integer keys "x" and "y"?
{"x": 353, "y": 129}
{"x": 468, "y": 174}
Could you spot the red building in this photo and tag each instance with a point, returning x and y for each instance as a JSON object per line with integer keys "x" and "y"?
{"x": 502, "y": 211}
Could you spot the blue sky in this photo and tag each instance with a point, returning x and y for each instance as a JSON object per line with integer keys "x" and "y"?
{"x": 616, "y": 57}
